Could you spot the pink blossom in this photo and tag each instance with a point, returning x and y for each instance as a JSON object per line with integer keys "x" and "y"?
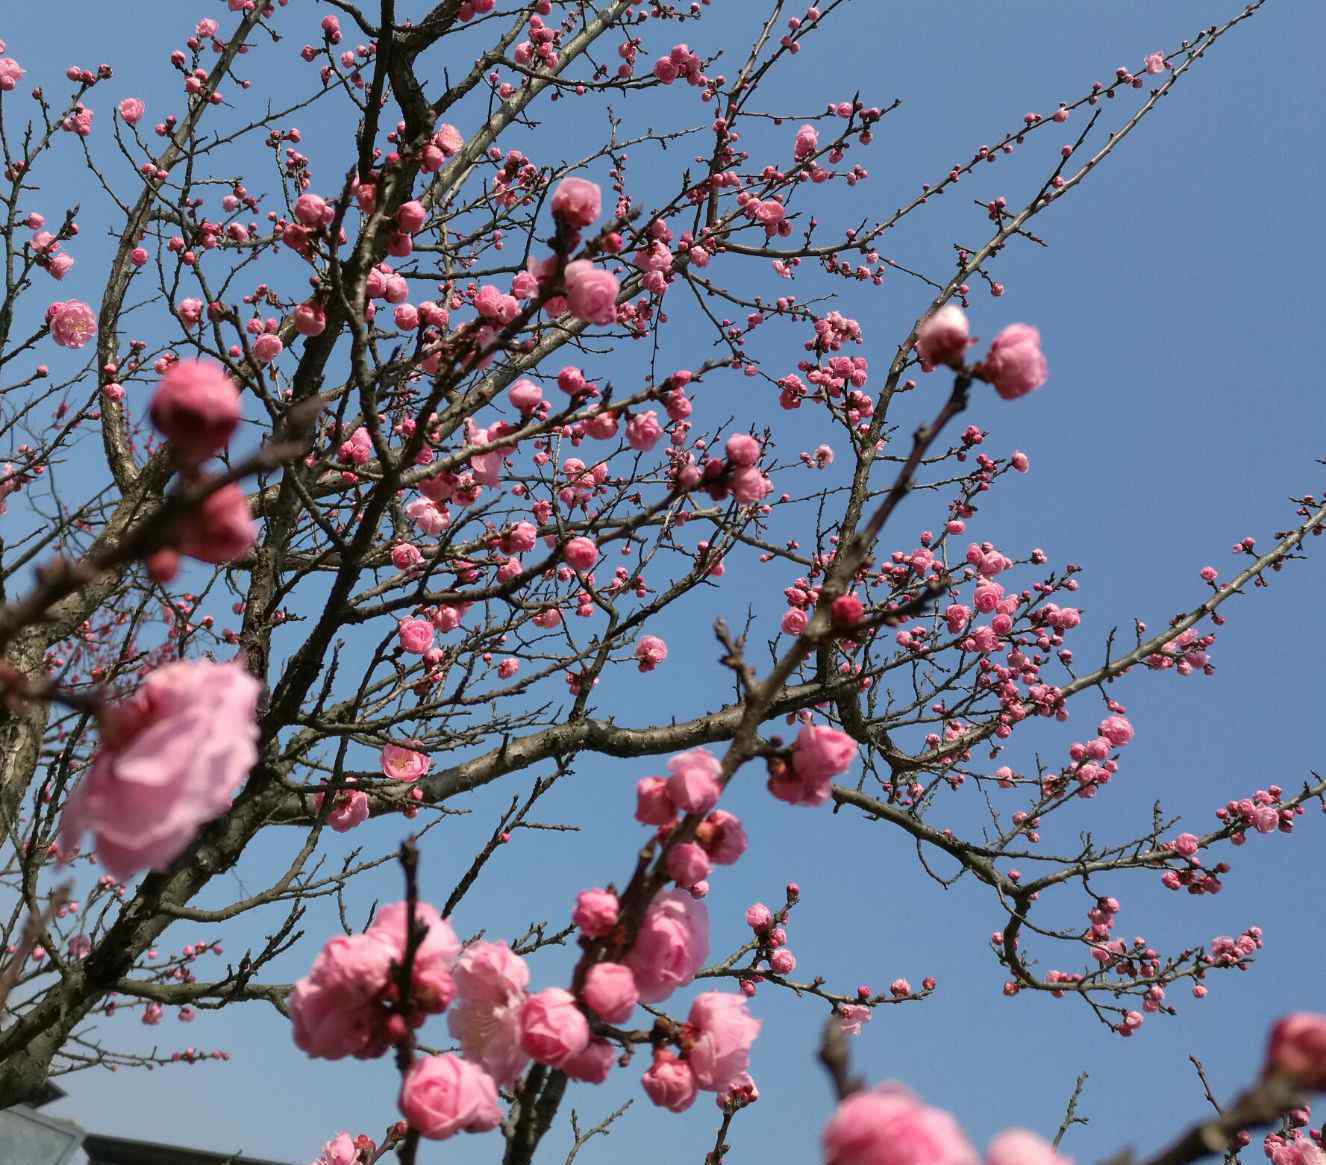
{"x": 1117, "y": 730}
{"x": 720, "y": 1039}
{"x": 806, "y": 142}
{"x": 794, "y": 621}
{"x": 411, "y": 216}
{"x": 521, "y": 537}
{"x": 350, "y": 809}
{"x": 750, "y": 485}
{"x": 852, "y": 1017}
{"x": 80, "y": 122}
{"x": 72, "y": 323}
{"x": 650, "y": 651}
{"x": 427, "y": 516}
{"x": 197, "y": 409}
{"x": 577, "y": 202}
{"x": 171, "y": 758}
{"x": 643, "y": 431}
{"x": 132, "y": 110}
{"x": 611, "y": 992}
{"x": 1020, "y": 1147}
{"x": 687, "y": 864}
{"x": 581, "y": 553}
{"x": 889, "y": 1126}
{"x": 491, "y": 983}
{"x": 11, "y": 73}
{"x": 672, "y": 944}
{"x": 1297, "y": 1049}
{"x": 552, "y": 1027}
{"x": 358, "y": 450}
{"x": 341, "y": 1150}
{"x": 403, "y": 764}
{"x": 432, "y": 987}
{"x": 740, "y": 1092}
{"x": 693, "y": 780}
{"x": 596, "y": 912}
{"x": 670, "y": 1083}
{"x": 313, "y": 210}
{"x": 723, "y": 837}
{"x": 819, "y": 755}
{"x": 1155, "y": 62}
{"x": 220, "y": 529}
{"x": 335, "y": 1009}
{"x": 653, "y": 805}
{"x": 416, "y": 635}
{"x": 310, "y": 319}
{"x": 593, "y": 1064}
{"x": 406, "y": 556}
{"x": 267, "y": 348}
{"x": 525, "y": 395}
{"x": 1015, "y": 364}
{"x": 591, "y": 292}
{"x": 449, "y": 140}
{"x": 759, "y": 917}
{"x": 942, "y": 337}
{"x": 444, "y": 1095}
{"x": 742, "y": 450}
{"x": 190, "y": 311}
{"x": 1302, "y": 1150}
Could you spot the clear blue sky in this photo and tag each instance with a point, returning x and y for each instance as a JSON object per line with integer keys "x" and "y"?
{"x": 1181, "y": 318}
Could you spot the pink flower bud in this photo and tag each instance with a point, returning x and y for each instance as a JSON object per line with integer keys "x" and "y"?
{"x": 596, "y": 912}
{"x": 942, "y": 337}
{"x": 610, "y": 990}
{"x": 197, "y": 408}
{"x": 552, "y": 1028}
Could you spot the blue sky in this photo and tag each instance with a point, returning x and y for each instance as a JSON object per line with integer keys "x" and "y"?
{"x": 1180, "y": 316}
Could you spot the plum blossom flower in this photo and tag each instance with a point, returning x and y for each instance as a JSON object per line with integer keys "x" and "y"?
{"x": 1021, "y": 1147}
{"x": 819, "y": 754}
{"x": 11, "y": 73}
{"x": 693, "y": 780}
{"x": 650, "y": 652}
{"x": 591, "y": 292}
{"x": 220, "y": 529}
{"x": 403, "y": 764}
{"x": 491, "y": 983}
{"x": 890, "y": 1126}
{"x": 552, "y": 1028}
{"x": 720, "y": 1039}
{"x": 670, "y": 1083}
{"x": 444, "y": 1095}
{"x": 1297, "y": 1049}
{"x": 171, "y": 758}
{"x": 338, "y": 1009}
{"x": 577, "y": 202}
{"x": 596, "y": 912}
{"x": 942, "y": 337}
{"x": 72, "y": 323}
{"x": 852, "y": 1017}
{"x": 416, "y": 635}
{"x": 671, "y": 945}
{"x": 653, "y": 805}
{"x": 348, "y": 810}
{"x": 610, "y": 990}
{"x": 340, "y": 1150}
{"x": 197, "y": 409}
{"x": 1015, "y": 364}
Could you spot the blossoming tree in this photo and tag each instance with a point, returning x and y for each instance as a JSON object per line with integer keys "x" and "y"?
{"x": 404, "y": 411}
